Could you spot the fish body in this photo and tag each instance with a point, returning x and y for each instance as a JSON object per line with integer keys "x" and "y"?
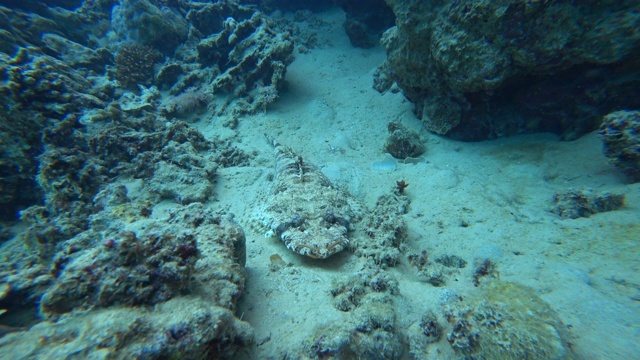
{"x": 305, "y": 210}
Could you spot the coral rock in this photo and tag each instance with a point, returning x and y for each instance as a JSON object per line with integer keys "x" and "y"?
{"x": 620, "y": 134}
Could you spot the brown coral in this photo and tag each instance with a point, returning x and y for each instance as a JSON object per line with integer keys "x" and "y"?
{"x": 134, "y": 65}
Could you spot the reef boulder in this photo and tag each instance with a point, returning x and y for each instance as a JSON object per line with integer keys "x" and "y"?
{"x": 493, "y": 68}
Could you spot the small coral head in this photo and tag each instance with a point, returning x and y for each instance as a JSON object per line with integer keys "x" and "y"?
{"x": 401, "y": 185}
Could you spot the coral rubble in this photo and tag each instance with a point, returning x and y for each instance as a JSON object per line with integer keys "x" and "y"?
{"x": 370, "y": 330}
{"x": 572, "y": 204}
{"x": 384, "y": 231}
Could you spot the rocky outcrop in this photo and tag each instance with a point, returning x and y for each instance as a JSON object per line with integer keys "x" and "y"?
{"x": 620, "y": 135}
{"x": 190, "y": 265}
{"x": 494, "y": 68}
{"x": 247, "y": 61}
{"x": 162, "y": 28}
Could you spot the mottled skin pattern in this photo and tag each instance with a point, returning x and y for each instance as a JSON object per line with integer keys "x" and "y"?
{"x": 305, "y": 210}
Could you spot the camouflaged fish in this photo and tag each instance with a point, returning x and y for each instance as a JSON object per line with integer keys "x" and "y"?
{"x": 305, "y": 210}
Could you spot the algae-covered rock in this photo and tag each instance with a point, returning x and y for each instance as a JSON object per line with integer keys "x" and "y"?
{"x": 620, "y": 134}
{"x": 141, "y": 21}
{"x": 182, "y": 328}
{"x": 493, "y": 68}
{"x": 403, "y": 143}
{"x": 507, "y": 321}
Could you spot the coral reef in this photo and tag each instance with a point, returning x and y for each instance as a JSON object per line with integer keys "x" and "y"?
{"x": 193, "y": 260}
{"x": 620, "y": 135}
{"x": 230, "y": 61}
{"x": 572, "y": 204}
{"x": 88, "y": 242}
{"x": 231, "y": 56}
{"x": 83, "y": 247}
{"x": 489, "y": 69}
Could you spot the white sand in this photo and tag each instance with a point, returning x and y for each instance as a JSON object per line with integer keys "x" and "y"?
{"x": 586, "y": 269}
